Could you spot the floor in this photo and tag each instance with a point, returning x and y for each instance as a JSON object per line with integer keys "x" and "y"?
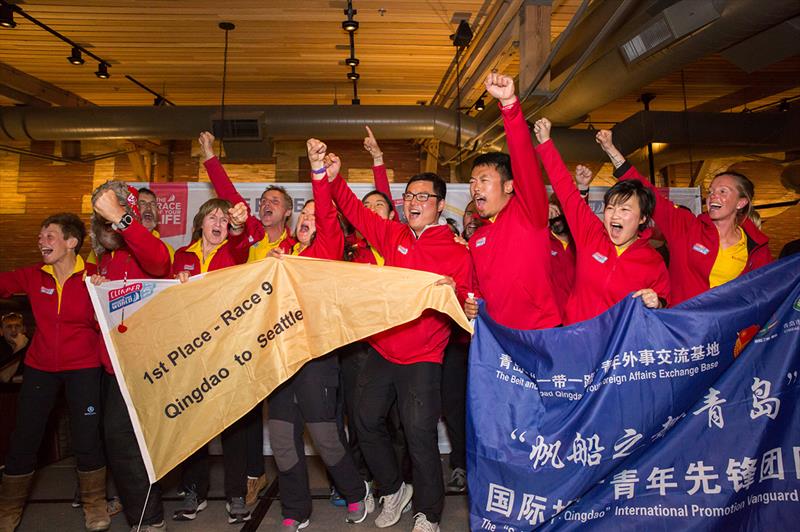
{"x": 50, "y": 509}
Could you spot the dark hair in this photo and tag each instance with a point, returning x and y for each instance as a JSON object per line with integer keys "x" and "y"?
{"x": 381, "y": 194}
{"x": 453, "y": 225}
{"x": 287, "y": 198}
{"x": 623, "y": 190}
{"x": 205, "y": 209}
{"x": 70, "y": 225}
{"x": 439, "y": 185}
{"x": 499, "y": 161}
{"x": 746, "y": 190}
{"x": 145, "y": 190}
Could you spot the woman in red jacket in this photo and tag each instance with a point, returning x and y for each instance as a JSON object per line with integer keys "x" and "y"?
{"x": 221, "y": 237}
{"x": 707, "y": 250}
{"x": 613, "y": 256}
{"x": 309, "y": 398}
{"x": 62, "y": 354}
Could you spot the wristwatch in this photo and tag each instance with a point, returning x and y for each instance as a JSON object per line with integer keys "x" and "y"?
{"x": 123, "y": 223}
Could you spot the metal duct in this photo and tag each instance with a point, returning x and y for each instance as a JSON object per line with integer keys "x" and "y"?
{"x": 687, "y": 135}
{"x": 609, "y": 78}
{"x": 276, "y": 122}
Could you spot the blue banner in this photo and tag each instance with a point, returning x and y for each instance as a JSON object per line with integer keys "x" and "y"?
{"x": 672, "y": 419}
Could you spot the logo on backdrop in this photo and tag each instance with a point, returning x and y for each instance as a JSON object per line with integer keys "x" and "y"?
{"x": 172, "y": 201}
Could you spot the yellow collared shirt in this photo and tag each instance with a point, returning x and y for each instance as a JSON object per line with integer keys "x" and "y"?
{"x": 197, "y": 249}
{"x": 48, "y": 268}
{"x": 730, "y": 262}
{"x": 261, "y": 249}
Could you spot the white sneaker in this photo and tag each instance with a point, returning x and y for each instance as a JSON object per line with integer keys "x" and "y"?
{"x": 393, "y": 506}
{"x": 421, "y": 524}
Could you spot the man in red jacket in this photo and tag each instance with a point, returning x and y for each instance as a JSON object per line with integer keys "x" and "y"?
{"x": 62, "y": 354}
{"x": 404, "y": 363}
{"x": 513, "y": 279}
{"x": 125, "y": 250}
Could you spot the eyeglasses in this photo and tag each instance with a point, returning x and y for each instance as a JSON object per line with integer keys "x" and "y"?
{"x": 422, "y": 197}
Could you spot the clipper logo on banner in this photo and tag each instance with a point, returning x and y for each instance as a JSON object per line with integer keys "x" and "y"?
{"x": 172, "y": 201}
{"x": 128, "y": 295}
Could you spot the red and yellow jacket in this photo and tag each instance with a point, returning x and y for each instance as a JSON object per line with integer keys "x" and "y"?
{"x": 512, "y": 254}
{"x": 67, "y": 335}
{"x": 424, "y": 339}
{"x": 693, "y": 242}
{"x": 602, "y": 278}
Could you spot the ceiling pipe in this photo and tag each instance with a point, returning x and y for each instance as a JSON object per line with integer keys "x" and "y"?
{"x": 275, "y": 122}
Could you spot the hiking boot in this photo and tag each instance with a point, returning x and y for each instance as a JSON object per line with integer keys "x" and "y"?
{"x": 237, "y": 512}
{"x": 421, "y": 524}
{"x": 255, "y": 489}
{"x": 191, "y": 506}
{"x": 393, "y": 506}
{"x": 458, "y": 481}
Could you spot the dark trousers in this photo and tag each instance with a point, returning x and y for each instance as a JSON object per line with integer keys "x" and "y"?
{"x": 234, "y": 458}
{"x": 255, "y": 441}
{"x": 454, "y": 400}
{"x": 37, "y": 398}
{"x": 309, "y": 398}
{"x": 417, "y": 390}
{"x": 125, "y": 460}
{"x": 352, "y": 359}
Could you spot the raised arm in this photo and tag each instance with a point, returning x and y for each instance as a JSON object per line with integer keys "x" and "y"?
{"x": 224, "y": 187}
{"x": 379, "y": 174}
{"x": 670, "y": 219}
{"x": 375, "y": 229}
{"x": 582, "y": 222}
{"x": 528, "y": 182}
{"x": 329, "y": 240}
{"x": 148, "y": 250}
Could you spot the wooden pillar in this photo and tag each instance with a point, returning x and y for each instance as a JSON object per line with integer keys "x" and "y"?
{"x": 534, "y": 42}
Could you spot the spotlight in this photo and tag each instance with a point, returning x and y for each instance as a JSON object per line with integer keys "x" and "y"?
{"x": 784, "y": 106}
{"x": 7, "y": 17}
{"x": 351, "y": 62}
{"x": 75, "y": 57}
{"x": 353, "y": 75}
{"x": 463, "y": 35}
{"x": 350, "y": 25}
{"x": 480, "y": 105}
{"x": 102, "y": 71}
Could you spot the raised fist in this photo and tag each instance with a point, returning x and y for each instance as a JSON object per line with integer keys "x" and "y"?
{"x": 542, "y": 130}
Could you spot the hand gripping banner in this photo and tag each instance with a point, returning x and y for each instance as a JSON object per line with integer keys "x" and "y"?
{"x": 191, "y": 359}
{"x": 676, "y": 419}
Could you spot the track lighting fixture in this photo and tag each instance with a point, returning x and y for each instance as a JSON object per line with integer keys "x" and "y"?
{"x": 350, "y": 25}
{"x": 480, "y": 105}
{"x": 102, "y": 71}
{"x": 353, "y": 75}
{"x": 7, "y": 17}
{"x": 351, "y": 62}
{"x": 75, "y": 57}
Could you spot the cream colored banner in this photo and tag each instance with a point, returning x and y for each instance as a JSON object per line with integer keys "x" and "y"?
{"x": 196, "y": 357}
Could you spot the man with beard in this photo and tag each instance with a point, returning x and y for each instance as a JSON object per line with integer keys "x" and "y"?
{"x": 125, "y": 250}
{"x": 148, "y": 207}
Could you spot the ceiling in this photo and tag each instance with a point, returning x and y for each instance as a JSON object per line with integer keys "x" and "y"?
{"x": 292, "y": 52}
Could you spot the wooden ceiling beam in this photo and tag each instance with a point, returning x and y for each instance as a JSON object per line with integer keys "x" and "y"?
{"x": 20, "y": 82}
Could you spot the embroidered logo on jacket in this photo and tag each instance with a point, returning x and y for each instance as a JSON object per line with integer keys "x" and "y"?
{"x": 481, "y": 241}
{"x": 188, "y": 266}
{"x": 402, "y": 250}
{"x": 48, "y": 291}
{"x": 700, "y": 249}
{"x": 553, "y": 252}
{"x": 599, "y": 257}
